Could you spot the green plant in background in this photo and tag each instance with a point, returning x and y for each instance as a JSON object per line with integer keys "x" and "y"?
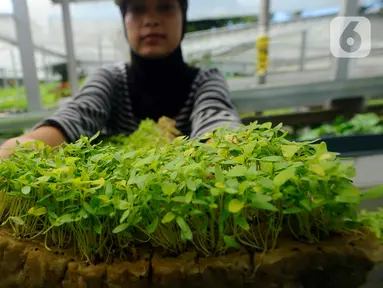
{"x": 373, "y": 219}
{"x": 148, "y": 136}
{"x": 360, "y": 124}
{"x": 243, "y": 188}
{"x": 11, "y": 99}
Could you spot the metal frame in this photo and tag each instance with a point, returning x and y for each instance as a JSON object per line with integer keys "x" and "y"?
{"x": 24, "y": 40}
{"x": 270, "y": 97}
{"x": 258, "y": 98}
{"x": 69, "y": 44}
{"x": 26, "y": 46}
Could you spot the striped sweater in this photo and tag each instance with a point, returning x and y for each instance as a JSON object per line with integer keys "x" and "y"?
{"x": 103, "y": 104}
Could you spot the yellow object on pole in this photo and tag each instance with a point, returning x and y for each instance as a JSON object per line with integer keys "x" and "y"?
{"x": 262, "y": 54}
{"x": 263, "y": 42}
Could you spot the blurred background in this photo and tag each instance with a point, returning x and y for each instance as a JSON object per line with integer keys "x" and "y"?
{"x": 275, "y": 55}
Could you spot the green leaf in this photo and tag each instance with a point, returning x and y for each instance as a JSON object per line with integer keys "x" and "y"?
{"x": 282, "y": 165}
{"x": 264, "y": 206}
{"x": 235, "y": 206}
{"x": 261, "y": 201}
{"x": 173, "y": 175}
{"x": 179, "y": 199}
{"x": 289, "y": 151}
{"x": 69, "y": 196}
{"x": 117, "y": 156}
{"x": 146, "y": 161}
{"x": 232, "y": 183}
{"x": 272, "y": 159}
{"x": 347, "y": 199}
{"x": 258, "y": 197}
{"x": 120, "y": 228}
{"x": 94, "y": 137}
{"x": 196, "y": 212}
{"x": 231, "y": 190}
{"x": 241, "y": 222}
{"x": 284, "y": 176}
{"x": 237, "y": 171}
{"x": 373, "y": 193}
{"x": 242, "y": 187}
{"x": 26, "y": 190}
{"x": 230, "y": 242}
{"x": 213, "y": 206}
{"x": 306, "y": 203}
{"x": 109, "y": 189}
{"x": 267, "y": 167}
{"x": 97, "y": 227}
{"x": 220, "y": 185}
{"x": 66, "y": 218}
{"x": 43, "y": 179}
{"x": 317, "y": 169}
{"x": 186, "y": 233}
{"x": 152, "y": 226}
{"x": 191, "y": 185}
{"x": 249, "y": 148}
{"x": 348, "y": 194}
{"x": 219, "y": 177}
{"x": 215, "y": 192}
{"x": 189, "y": 197}
{"x": 70, "y": 161}
{"x": 37, "y": 211}
{"x": 88, "y": 208}
{"x": 240, "y": 159}
{"x": 17, "y": 220}
{"x": 138, "y": 179}
{"x": 122, "y": 205}
{"x": 294, "y": 210}
{"x": 266, "y": 182}
{"x": 168, "y": 218}
{"x": 104, "y": 211}
{"x": 253, "y": 170}
{"x": 266, "y": 126}
{"x": 124, "y": 216}
{"x": 169, "y": 188}
{"x": 199, "y": 202}
{"x": 42, "y": 199}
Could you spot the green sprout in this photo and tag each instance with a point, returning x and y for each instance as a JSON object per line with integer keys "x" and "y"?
{"x": 246, "y": 187}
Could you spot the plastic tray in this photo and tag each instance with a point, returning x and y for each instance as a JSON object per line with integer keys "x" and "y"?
{"x": 355, "y": 145}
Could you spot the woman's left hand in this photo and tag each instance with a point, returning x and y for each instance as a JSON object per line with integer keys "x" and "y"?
{"x": 168, "y": 128}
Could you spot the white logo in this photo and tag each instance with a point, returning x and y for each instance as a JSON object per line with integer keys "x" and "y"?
{"x": 350, "y": 37}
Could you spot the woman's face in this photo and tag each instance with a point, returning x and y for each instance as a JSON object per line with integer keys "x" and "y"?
{"x": 154, "y": 27}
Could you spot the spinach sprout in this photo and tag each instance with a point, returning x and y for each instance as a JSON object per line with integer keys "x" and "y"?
{"x": 243, "y": 188}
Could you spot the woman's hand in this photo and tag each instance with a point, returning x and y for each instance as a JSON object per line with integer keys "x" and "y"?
{"x": 48, "y": 135}
{"x": 168, "y": 128}
{"x": 7, "y": 148}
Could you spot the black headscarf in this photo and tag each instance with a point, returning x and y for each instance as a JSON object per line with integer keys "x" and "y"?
{"x": 159, "y": 87}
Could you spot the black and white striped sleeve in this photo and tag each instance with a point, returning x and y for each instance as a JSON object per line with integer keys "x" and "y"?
{"x": 213, "y": 107}
{"x": 89, "y": 110}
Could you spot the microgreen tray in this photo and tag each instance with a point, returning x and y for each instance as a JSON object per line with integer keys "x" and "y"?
{"x": 355, "y": 145}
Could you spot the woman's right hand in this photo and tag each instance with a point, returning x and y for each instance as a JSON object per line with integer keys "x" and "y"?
{"x": 7, "y": 148}
{"x": 48, "y": 135}
{"x": 168, "y": 128}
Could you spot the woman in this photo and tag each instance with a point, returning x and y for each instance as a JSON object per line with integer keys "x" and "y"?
{"x": 156, "y": 83}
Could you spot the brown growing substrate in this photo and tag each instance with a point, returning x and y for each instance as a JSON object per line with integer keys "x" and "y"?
{"x": 344, "y": 261}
